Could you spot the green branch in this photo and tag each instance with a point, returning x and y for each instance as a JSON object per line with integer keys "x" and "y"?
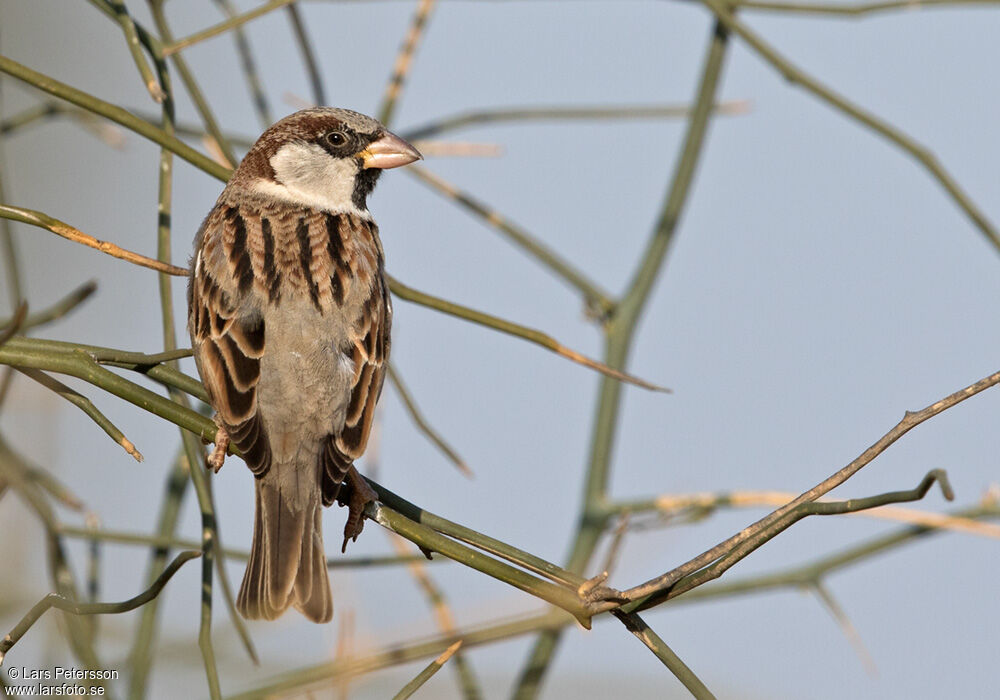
{"x": 644, "y": 633}
{"x": 556, "y": 619}
{"x": 191, "y": 85}
{"x": 620, "y": 329}
{"x": 564, "y": 113}
{"x": 115, "y": 113}
{"x": 427, "y": 539}
{"x": 598, "y": 302}
{"x": 223, "y": 27}
{"x": 530, "y": 334}
{"x": 121, "y": 15}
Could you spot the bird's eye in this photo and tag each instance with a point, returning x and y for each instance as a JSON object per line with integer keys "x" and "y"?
{"x": 336, "y": 138}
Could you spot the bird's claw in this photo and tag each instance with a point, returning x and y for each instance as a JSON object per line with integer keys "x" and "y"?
{"x": 361, "y": 494}
{"x": 218, "y": 456}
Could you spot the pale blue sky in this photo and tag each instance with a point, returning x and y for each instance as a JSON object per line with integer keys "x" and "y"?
{"x": 820, "y": 284}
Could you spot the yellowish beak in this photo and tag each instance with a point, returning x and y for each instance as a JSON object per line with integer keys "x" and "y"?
{"x": 390, "y": 151}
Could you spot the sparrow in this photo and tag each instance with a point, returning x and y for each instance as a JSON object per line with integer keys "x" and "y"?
{"x": 289, "y": 316}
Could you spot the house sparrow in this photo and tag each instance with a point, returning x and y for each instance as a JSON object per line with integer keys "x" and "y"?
{"x": 289, "y": 317}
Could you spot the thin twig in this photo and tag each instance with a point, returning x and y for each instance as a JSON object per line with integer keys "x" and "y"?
{"x": 638, "y": 627}
{"x": 140, "y": 658}
{"x": 809, "y": 574}
{"x": 796, "y": 75}
{"x": 457, "y": 149}
{"x": 107, "y": 133}
{"x": 698, "y": 505}
{"x": 619, "y": 332}
{"x": 404, "y": 652}
{"x": 425, "y": 675}
{"x": 93, "y": 561}
{"x": 167, "y": 541}
{"x": 249, "y": 66}
{"x": 54, "y": 600}
{"x": 855, "y": 9}
{"x": 222, "y": 27}
{"x": 476, "y": 539}
{"x": 535, "y": 336}
{"x": 753, "y": 536}
{"x": 37, "y": 218}
{"x": 149, "y": 365}
{"x": 846, "y": 626}
{"x": 60, "y": 308}
{"x": 564, "y": 113}
{"x": 555, "y": 619}
{"x": 442, "y": 615}
{"x": 114, "y": 113}
{"x": 404, "y": 60}
{"x": 221, "y": 144}
{"x": 13, "y": 326}
{"x": 17, "y": 472}
{"x": 55, "y": 488}
{"x": 598, "y": 301}
{"x": 135, "y": 48}
{"x": 308, "y": 54}
{"x": 85, "y": 405}
{"x": 418, "y": 417}
{"x": 194, "y": 451}
{"x": 427, "y": 539}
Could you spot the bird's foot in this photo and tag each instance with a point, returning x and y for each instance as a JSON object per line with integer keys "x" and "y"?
{"x": 218, "y": 455}
{"x": 359, "y": 496}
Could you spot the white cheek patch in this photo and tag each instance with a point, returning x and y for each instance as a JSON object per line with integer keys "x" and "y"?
{"x": 309, "y": 176}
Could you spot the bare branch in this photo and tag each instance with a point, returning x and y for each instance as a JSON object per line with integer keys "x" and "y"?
{"x": 54, "y": 600}
{"x": 37, "y": 218}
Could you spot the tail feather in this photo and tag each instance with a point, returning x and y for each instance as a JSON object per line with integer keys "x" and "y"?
{"x": 312, "y": 587}
{"x": 287, "y": 561}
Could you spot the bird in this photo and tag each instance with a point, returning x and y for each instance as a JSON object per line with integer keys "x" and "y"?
{"x": 289, "y": 316}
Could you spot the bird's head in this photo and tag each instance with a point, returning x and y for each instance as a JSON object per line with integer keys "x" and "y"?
{"x": 323, "y": 158}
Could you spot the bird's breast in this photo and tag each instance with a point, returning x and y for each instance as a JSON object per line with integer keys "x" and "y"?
{"x": 305, "y": 378}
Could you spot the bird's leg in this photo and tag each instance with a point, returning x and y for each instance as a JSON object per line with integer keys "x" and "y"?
{"x": 218, "y": 455}
{"x": 359, "y": 495}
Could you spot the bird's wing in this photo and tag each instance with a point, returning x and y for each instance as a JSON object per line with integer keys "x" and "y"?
{"x": 369, "y": 350}
{"x": 228, "y": 342}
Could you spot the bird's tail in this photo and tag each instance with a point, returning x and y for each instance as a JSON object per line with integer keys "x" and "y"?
{"x": 287, "y": 563}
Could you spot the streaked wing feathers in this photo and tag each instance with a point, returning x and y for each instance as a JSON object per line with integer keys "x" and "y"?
{"x": 228, "y": 346}
{"x": 370, "y": 352}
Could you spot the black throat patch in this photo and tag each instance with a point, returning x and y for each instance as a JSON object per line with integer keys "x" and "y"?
{"x": 364, "y": 183}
